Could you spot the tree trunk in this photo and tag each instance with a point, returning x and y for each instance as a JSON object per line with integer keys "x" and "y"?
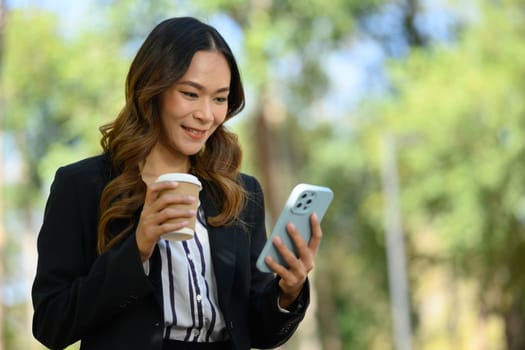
{"x": 514, "y": 327}
{"x": 267, "y": 163}
{"x": 2, "y": 244}
{"x": 272, "y": 157}
{"x": 328, "y": 313}
{"x": 413, "y": 35}
{"x": 2, "y": 231}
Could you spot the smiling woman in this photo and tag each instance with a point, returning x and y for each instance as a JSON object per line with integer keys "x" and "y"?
{"x": 107, "y": 276}
{"x": 191, "y": 111}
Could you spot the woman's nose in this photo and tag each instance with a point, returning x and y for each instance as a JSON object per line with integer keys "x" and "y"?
{"x": 204, "y": 112}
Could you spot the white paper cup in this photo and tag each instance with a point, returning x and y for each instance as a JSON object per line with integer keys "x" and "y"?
{"x": 188, "y": 185}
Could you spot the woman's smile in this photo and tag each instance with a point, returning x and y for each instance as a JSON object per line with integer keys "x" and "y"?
{"x": 196, "y": 134}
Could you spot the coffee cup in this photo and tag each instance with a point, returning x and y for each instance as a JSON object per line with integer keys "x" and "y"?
{"x": 188, "y": 185}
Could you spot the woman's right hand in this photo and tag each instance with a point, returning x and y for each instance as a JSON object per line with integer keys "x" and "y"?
{"x": 155, "y": 214}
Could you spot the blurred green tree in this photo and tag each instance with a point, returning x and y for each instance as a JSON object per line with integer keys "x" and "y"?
{"x": 57, "y": 89}
{"x": 461, "y": 111}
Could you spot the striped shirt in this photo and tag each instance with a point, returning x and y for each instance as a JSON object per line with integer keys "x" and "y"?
{"x": 189, "y": 289}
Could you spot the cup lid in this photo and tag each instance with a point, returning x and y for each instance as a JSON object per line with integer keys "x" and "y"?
{"x": 179, "y": 177}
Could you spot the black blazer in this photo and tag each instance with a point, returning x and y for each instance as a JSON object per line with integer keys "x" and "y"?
{"x": 108, "y": 302}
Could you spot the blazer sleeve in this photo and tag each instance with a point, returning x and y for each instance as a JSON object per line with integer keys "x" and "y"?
{"x": 269, "y": 326}
{"x": 76, "y": 290}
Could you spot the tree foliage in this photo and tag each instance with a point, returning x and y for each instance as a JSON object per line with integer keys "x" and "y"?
{"x": 458, "y": 116}
{"x": 57, "y": 90}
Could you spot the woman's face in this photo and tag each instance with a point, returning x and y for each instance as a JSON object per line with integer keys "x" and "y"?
{"x": 193, "y": 108}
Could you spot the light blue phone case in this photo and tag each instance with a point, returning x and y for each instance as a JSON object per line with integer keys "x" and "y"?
{"x": 304, "y": 200}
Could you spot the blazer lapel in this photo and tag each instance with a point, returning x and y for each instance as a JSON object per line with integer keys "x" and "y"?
{"x": 223, "y": 247}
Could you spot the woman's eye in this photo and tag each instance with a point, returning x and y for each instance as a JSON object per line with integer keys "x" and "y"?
{"x": 189, "y": 94}
{"x": 221, "y": 99}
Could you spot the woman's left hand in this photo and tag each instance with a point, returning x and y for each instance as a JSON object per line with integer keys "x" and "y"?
{"x": 293, "y": 278}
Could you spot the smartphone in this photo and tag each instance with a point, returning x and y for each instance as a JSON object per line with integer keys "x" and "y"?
{"x": 304, "y": 200}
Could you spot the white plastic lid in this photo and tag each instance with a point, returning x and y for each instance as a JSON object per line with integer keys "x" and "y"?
{"x": 179, "y": 177}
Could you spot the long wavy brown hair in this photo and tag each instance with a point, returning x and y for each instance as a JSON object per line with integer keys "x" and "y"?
{"x": 161, "y": 61}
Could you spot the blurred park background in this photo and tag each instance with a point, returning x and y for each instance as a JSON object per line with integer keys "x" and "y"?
{"x": 412, "y": 111}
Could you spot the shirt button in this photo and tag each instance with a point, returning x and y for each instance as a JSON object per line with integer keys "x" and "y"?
{"x": 199, "y": 298}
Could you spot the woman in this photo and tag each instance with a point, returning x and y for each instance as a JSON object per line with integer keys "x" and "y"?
{"x": 105, "y": 276}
